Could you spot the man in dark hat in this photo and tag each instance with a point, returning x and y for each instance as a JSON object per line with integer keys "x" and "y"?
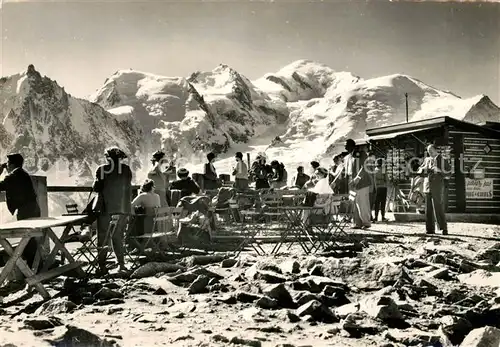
{"x": 185, "y": 184}
{"x": 21, "y": 197}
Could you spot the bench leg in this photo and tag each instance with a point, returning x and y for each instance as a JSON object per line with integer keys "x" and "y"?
{"x": 15, "y": 259}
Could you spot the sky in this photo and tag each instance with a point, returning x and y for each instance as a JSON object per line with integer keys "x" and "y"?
{"x": 451, "y": 46}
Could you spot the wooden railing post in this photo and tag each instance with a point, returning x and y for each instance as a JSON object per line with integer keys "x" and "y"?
{"x": 40, "y": 185}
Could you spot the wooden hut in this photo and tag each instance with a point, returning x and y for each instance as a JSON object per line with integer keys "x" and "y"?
{"x": 473, "y": 185}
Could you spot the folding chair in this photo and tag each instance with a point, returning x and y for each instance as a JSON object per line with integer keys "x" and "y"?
{"x": 88, "y": 242}
{"x": 163, "y": 229}
{"x": 251, "y": 225}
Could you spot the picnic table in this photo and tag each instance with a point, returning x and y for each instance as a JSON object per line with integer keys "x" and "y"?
{"x": 38, "y": 228}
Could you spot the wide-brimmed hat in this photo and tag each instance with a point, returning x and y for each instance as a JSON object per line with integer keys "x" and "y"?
{"x": 322, "y": 171}
{"x": 261, "y": 155}
{"x": 182, "y": 172}
{"x": 115, "y": 152}
{"x": 158, "y": 155}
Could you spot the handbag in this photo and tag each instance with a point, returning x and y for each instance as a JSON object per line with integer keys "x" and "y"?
{"x": 95, "y": 206}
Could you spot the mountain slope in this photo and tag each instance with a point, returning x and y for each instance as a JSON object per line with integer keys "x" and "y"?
{"x": 327, "y": 107}
{"x": 59, "y": 135}
{"x": 312, "y": 107}
{"x": 209, "y": 111}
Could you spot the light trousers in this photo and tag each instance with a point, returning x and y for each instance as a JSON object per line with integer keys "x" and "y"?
{"x": 362, "y": 208}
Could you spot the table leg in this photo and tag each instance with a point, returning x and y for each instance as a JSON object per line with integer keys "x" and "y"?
{"x": 52, "y": 256}
{"x": 21, "y": 264}
{"x": 11, "y": 263}
{"x": 58, "y": 245}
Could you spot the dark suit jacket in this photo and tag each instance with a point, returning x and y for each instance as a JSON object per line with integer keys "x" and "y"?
{"x": 114, "y": 183}
{"x": 19, "y": 190}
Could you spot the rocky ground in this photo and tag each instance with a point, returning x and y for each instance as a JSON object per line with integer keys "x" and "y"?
{"x": 402, "y": 289}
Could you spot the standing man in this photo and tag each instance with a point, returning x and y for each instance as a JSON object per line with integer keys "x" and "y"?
{"x": 359, "y": 182}
{"x": 113, "y": 183}
{"x": 159, "y": 176}
{"x": 240, "y": 172}
{"x": 260, "y": 172}
{"x": 432, "y": 169}
{"x": 21, "y": 197}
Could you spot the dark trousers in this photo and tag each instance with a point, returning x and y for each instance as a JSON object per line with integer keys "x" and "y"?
{"x": 31, "y": 210}
{"x": 261, "y": 184}
{"x": 117, "y": 239}
{"x": 434, "y": 205}
{"x": 240, "y": 183}
{"x": 380, "y": 201}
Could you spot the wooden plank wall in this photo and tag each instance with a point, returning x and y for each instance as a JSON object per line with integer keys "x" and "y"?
{"x": 473, "y": 144}
{"x": 414, "y": 147}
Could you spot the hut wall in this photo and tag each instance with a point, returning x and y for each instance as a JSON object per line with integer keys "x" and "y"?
{"x": 476, "y": 193}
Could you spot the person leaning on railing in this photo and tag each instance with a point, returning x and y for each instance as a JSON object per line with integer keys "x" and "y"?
{"x": 21, "y": 197}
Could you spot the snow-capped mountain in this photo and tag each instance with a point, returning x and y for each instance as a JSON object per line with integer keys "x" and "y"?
{"x": 60, "y": 136}
{"x": 209, "y": 111}
{"x": 312, "y": 107}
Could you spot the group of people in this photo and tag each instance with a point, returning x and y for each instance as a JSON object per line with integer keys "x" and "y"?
{"x": 356, "y": 172}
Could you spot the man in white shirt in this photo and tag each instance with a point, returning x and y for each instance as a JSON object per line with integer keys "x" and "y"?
{"x": 240, "y": 172}
{"x": 432, "y": 169}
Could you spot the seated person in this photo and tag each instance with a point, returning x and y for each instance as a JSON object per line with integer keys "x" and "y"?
{"x": 313, "y": 180}
{"x": 144, "y": 206}
{"x": 279, "y": 175}
{"x": 301, "y": 179}
{"x": 322, "y": 196}
{"x": 185, "y": 184}
{"x": 147, "y": 199}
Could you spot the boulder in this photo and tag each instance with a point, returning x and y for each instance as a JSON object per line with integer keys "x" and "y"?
{"x": 290, "y": 266}
{"x": 267, "y": 303}
{"x": 199, "y": 285}
{"x": 483, "y": 337}
{"x": 77, "y": 337}
{"x": 42, "y": 323}
{"x": 455, "y": 328}
{"x": 269, "y": 277}
{"x": 359, "y": 324}
{"x": 227, "y": 263}
{"x": 246, "y": 297}
{"x": 108, "y": 294}
{"x": 280, "y": 294}
{"x": 318, "y": 311}
{"x": 481, "y": 278}
{"x": 441, "y": 273}
{"x": 55, "y": 306}
{"x": 380, "y": 307}
{"x": 152, "y": 268}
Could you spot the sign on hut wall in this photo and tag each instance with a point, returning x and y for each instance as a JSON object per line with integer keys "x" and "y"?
{"x": 479, "y": 188}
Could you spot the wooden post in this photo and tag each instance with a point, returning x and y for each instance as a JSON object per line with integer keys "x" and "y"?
{"x": 406, "y": 104}
{"x": 40, "y": 185}
{"x": 248, "y": 166}
{"x": 458, "y": 149}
